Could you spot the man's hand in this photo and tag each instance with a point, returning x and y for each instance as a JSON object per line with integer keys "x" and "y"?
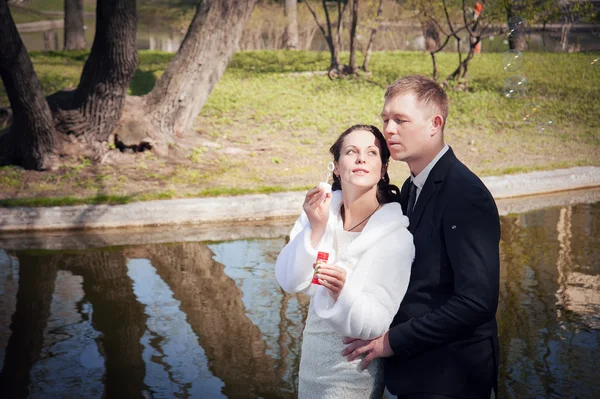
{"x": 378, "y": 347}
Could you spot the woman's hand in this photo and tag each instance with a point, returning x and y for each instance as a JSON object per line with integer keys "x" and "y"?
{"x": 316, "y": 207}
{"x": 333, "y": 278}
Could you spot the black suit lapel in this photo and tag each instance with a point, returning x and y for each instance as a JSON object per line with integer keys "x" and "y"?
{"x": 432, "y": 185}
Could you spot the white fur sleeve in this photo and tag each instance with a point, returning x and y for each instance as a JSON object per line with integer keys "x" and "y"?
{"x": 370, "y": 299}
{"x": 294, "y": 267}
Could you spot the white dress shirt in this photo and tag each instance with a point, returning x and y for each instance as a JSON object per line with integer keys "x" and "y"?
{"x": 420, "y": 179}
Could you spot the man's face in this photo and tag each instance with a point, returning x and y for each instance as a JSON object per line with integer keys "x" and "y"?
{"x": 406, "y": 128}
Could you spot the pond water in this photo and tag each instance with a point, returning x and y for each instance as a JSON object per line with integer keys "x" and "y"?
{"x": 158, "y": 37}
{"x": 206, "y": 318}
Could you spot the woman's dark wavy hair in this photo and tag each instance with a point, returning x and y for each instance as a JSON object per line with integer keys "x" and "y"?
{"x": 386, "y": 192}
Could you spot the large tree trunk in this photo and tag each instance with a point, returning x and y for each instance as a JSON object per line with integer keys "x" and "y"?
{"x": 74, "y": 32}
{"x": 96, "y": 105}
{"x": 291, "y": 29}
{"x": 183, "y": 89}
{"x": 30, "y": 140}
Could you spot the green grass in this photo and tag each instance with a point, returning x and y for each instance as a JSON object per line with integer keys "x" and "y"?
{"x": 25, "y": 14}
{"x": 57, "y": 5}
{"x": 281, "y": 121}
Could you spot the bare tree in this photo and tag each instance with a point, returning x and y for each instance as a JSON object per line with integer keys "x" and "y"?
{"x": 332, "y": 37}
{"x": 291, "y": 29}
{"x": 441, "y": 15}
{"x": 74, "y": 28}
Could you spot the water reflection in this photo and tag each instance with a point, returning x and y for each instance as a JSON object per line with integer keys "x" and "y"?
{"x": 69, "y": 338}
{"x": 196, "y": 319}
{"x": 548, "y": 335}
{"x": 175, "y": 362}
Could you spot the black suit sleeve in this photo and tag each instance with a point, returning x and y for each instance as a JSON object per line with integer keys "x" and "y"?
{"x": 471, "y": 235}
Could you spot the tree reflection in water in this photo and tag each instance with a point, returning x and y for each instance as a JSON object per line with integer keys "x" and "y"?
{"x": 208, "y": 319}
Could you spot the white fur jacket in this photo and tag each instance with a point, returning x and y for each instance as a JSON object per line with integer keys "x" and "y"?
{"x": 379, "y": 261}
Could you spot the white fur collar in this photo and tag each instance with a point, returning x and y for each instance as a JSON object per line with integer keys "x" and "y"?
{"x": 387, "y": 219}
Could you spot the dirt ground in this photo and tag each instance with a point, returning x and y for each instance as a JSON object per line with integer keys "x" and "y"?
{"x": 205, "y": 164}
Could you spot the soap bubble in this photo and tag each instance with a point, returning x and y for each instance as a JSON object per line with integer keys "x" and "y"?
{"x": 516, "y": 25}
{"x": 515, "y": 86}
{"x": 512, "y": 60}
{"x": 531, "y": 112}
{"x": 546, "y": 126}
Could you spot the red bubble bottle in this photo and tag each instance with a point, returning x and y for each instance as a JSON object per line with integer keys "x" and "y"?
{"x": 321, "y": 260}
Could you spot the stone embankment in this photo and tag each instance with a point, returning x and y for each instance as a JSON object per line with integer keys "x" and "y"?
{"x": 514, "y": 194}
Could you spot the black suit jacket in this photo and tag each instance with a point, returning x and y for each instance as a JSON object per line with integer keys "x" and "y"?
{"x": 445, "y": 336}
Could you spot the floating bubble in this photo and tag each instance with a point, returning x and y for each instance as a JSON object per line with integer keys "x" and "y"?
{"x": 491, "y": 38}
{"x": 505, "y": 41}
{"x": 530, "y": 112}
{"x": 512, "y": 60}
{"x": 545, "y": 127}
{"x": 516, "y": 25}
{"x": 515, "y": 86}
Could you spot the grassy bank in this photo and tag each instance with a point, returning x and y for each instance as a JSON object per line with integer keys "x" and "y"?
{"x": 269, "y": 123}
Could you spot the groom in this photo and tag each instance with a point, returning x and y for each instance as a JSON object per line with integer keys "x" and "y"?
{"x": 443, "y": 342}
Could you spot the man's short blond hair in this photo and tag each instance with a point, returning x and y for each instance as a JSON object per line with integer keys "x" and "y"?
{"x": 427, "y": 91}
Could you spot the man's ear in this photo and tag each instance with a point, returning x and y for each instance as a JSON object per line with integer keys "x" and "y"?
{"x": 437, "y": 122}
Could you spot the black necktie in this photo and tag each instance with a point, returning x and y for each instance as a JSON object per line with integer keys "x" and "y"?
{"x": 412, "y": 197}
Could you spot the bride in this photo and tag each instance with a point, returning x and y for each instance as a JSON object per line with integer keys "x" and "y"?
{"x": 361, "y": 226}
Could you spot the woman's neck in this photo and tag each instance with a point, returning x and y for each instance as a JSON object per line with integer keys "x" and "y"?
{"x": 358, "y": 207}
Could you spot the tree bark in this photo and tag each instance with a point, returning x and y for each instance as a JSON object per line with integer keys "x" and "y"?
{"x": 30, "y": 140}
{"x": 74, "y": 32}
{"x": 183, "y": 89}
{"x": 354, "y": 22}
{"x": 291, "y": 30}
{"x": 97, "y": 103}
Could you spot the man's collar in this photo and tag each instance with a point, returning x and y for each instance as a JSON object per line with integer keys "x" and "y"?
{"x": 420, "y": 179}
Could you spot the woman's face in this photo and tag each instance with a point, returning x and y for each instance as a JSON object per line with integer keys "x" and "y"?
{"x": 360, "y": 160}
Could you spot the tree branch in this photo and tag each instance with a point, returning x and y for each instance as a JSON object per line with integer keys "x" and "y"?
{"x": 316, "y": 19}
